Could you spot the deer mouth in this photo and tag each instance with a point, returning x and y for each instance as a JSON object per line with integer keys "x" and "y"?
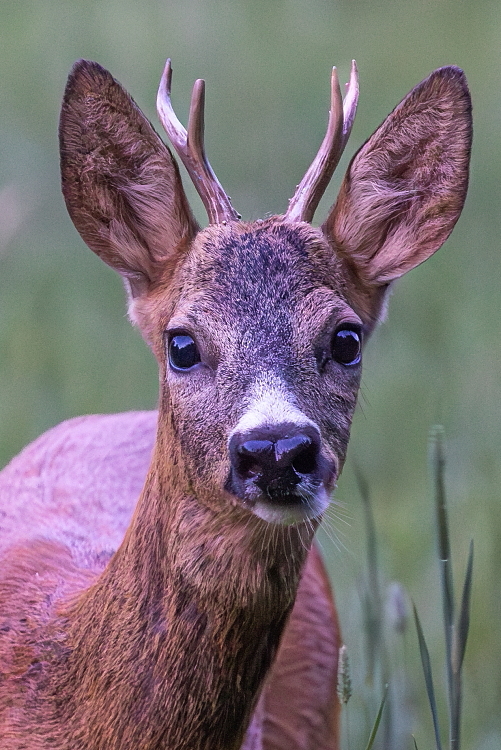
{"x": 283, "y": 495}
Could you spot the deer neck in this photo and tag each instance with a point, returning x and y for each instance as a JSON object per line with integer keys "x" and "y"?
{"x": 170, "y": 647}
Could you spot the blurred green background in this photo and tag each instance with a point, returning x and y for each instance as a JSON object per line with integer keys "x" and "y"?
{"x": 66, "y": 347}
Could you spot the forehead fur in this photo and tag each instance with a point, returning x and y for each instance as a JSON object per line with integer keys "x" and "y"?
{"x": 253, "y": 264}
{"x": 243, "y": 272}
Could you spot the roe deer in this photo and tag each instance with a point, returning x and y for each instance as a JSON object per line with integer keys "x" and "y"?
{"x": 202, "y": 618}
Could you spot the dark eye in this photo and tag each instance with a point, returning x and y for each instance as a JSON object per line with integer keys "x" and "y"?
{"x": 183, "y": 352}
{"x": 346, "y": 347}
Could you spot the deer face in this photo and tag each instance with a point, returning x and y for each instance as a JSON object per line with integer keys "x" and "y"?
{"x": 260, "y": 359}
{"x": 258, "y": 327}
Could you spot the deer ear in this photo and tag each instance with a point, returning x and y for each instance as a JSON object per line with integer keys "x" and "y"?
{"x": 121, "y": 185}
{"x": 405, "y": 188}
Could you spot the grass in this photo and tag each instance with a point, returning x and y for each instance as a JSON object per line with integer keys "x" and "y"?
{"x": 456, "y": 623}
{"x": 388, "y": 730}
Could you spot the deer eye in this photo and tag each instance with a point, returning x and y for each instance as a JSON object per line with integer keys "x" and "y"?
{"x": 347, "y": 347}
{"x": 183, "y": 352}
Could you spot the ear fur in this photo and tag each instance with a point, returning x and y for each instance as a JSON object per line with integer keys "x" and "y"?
{"x": 121, "y": 185}
{"x": 405, "y": 188}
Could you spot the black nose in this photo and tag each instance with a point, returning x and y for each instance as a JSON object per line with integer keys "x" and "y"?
{"x": 276, "y": 459}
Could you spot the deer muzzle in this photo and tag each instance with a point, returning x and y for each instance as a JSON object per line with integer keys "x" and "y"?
{"x": 279, "y": 472}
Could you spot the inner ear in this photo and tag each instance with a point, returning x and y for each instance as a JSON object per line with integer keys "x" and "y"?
{"x": 121, "y": 185}
{"x": 405, "y": 188}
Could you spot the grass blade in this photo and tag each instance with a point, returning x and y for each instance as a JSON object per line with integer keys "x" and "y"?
{"x": 459, "y": 648}
{"x": 372, "y": 606}
{"x": 428, "y": 678}
{"x": 464, "y": 613}
{"x": 444, "y": 547}
{"x": 377, "y": 722}
{"x": 445, "y": 564}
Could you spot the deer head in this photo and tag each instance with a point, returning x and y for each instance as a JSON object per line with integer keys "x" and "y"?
{"x": 258, "y": 328}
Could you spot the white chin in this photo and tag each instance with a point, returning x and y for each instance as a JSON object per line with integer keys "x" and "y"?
{"x": 289, "y": 514}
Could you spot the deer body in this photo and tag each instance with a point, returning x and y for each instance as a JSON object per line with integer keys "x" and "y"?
{"x": 105, "y": 459}
{"x": 156, "y": 626}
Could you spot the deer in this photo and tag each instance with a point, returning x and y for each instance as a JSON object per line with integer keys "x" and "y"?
{"x": 160, "y": 587}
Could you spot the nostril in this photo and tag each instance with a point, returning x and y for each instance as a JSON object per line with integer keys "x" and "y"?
{"x": 253, "y": 457}
{"x": 300, "y": 452}
{"x": 248, "y": 468}
{"x": 306, "y": 461}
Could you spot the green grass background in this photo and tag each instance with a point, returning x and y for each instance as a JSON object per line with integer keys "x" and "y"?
{"x": 66, "y": 347}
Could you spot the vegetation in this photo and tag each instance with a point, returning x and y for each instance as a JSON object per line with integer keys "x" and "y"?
{"x": 66, "y": 347}
{"x": 379, "y": 624}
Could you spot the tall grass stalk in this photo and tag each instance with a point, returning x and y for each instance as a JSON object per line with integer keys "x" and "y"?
{"x": 456, "y": 625}
{"x": 372, "y": 736}
{"x": 372, "y": 603}
{"x": 376, "y": 650}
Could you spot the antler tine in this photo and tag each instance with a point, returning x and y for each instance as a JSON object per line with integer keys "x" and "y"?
{"x": 305, "y": 200}
{"x": 350, "y": 102}
{"x": 174, "y": 129}
{"x": 189, "y": 146}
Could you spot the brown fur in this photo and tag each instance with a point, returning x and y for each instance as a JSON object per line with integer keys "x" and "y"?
{"x": 165, "y": 639}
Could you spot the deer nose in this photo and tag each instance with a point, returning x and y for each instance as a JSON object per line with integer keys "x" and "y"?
{"x": 276, "y": 460}
{"x": 255, "y": 456}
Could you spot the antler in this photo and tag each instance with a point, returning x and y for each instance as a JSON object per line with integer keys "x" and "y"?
{"x": 305, "y": 200}
{"x": 190, "y": 148}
